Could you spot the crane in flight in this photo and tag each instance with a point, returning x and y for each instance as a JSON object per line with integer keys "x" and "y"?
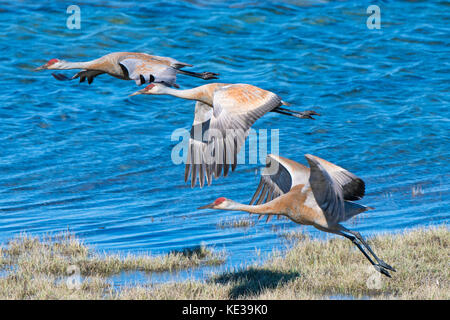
{"x": 321, "y": 195}
{"x": 223, "y": 116}
{"x": 140, "y": 67}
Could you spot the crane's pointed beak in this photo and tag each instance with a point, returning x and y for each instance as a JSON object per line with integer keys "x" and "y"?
{"x": 137, "y": 92}
{"x": 208, "y": 206}
{"x": 40, "y": 68}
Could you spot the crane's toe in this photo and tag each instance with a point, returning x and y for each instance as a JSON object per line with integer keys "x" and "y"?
{"x": 382, "y": 270}
{"x": 307, "y": 114}
{"x": 386, "y": 266}
{"x": 209, "y": 75}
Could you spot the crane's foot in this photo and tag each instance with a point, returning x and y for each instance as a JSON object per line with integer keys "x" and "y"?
{"x": 209, "y": 75}
{"x": 382, "y": 270}
{"x": 306, "y": 114}
{"x": 385, "y": 265}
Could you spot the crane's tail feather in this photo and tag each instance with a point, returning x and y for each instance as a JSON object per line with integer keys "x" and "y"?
{"x": 352, "y": 209}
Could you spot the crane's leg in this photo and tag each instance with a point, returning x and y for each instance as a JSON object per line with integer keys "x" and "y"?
{"x": 380, "y": 268}
{"x": 202, "y": 75}
{"x": 360, "y": 238}
{"x": 303, "y": 114}
{"x": 298, "y": 114}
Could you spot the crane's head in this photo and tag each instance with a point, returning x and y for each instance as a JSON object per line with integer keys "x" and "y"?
{"x": 220, "y": 203}
{"x": 51, "y": 64}
{"x": 152, "y": 88}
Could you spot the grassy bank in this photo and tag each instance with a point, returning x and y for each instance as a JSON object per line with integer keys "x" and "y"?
{"x": 37, "y": 269}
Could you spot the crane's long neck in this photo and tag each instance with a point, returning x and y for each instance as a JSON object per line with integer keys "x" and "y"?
{"x": 65, "y": 65}
{"x": 201, "y": 94}
{"x": 266, "y": 208}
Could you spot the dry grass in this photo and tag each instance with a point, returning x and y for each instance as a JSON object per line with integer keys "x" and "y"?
{"x": 336, "y": 267}
{"x": 293, "y": 236}
{"x": 187, "y": 290}
{"x": 55, "y": 254}
{"x": 310, "y": 270}
{"x": 40, "y": 268}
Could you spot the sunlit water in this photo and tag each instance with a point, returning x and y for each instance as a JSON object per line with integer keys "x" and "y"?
{"x": 92, "y": 160}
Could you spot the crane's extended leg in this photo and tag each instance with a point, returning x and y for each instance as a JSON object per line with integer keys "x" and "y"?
{"x": 360, "y": 238}
{"x": 202, "y": 75}
{"x": 378, "y": 266}
{"x": 303, "y": 114}
{"x": 298, "y": 114}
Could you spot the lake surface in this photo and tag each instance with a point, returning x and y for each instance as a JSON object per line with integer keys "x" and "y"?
{"x": 94, "y": 161}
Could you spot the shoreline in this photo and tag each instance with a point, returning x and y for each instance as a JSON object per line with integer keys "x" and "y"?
{"x": 62, "y": 267}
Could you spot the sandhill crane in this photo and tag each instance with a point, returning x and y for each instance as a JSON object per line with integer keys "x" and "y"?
{"x": 321, "y": 196}
{"x": 223, "y": 116}
{"x": 140, "y": 67}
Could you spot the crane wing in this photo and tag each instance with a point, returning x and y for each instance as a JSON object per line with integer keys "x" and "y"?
{"x": 353, "y": 187}
{"x": 171, "y": 62}
{"x": 331, "y": 185}
{"x": 196, "y": 162}
{"x": 89, "y": 74}
{"x": 148, "y": 70}
{"x": 278, "y": 177}
{"x": 224, "y": 129}
{"x": 235, "y": 109}
{"x": 83, "y": 74}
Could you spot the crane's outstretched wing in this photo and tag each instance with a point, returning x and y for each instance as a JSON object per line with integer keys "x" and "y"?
{"x": 353, "y": 187}
{"x": 87, "y": 74}
{"x": 331, "y": 185}
{"x": 196, "y": 162}
{"x": 171, "y": 62}
{"x": 143, "y": 71}
{"x": 235, "y": 108}
{"x": 278, "y": 177}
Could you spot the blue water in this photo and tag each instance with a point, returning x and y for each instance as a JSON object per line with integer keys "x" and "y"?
{"x": 92, "y": 160}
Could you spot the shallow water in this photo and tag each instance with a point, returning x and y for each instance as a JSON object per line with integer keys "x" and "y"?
{"x": 92, "y": 160}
